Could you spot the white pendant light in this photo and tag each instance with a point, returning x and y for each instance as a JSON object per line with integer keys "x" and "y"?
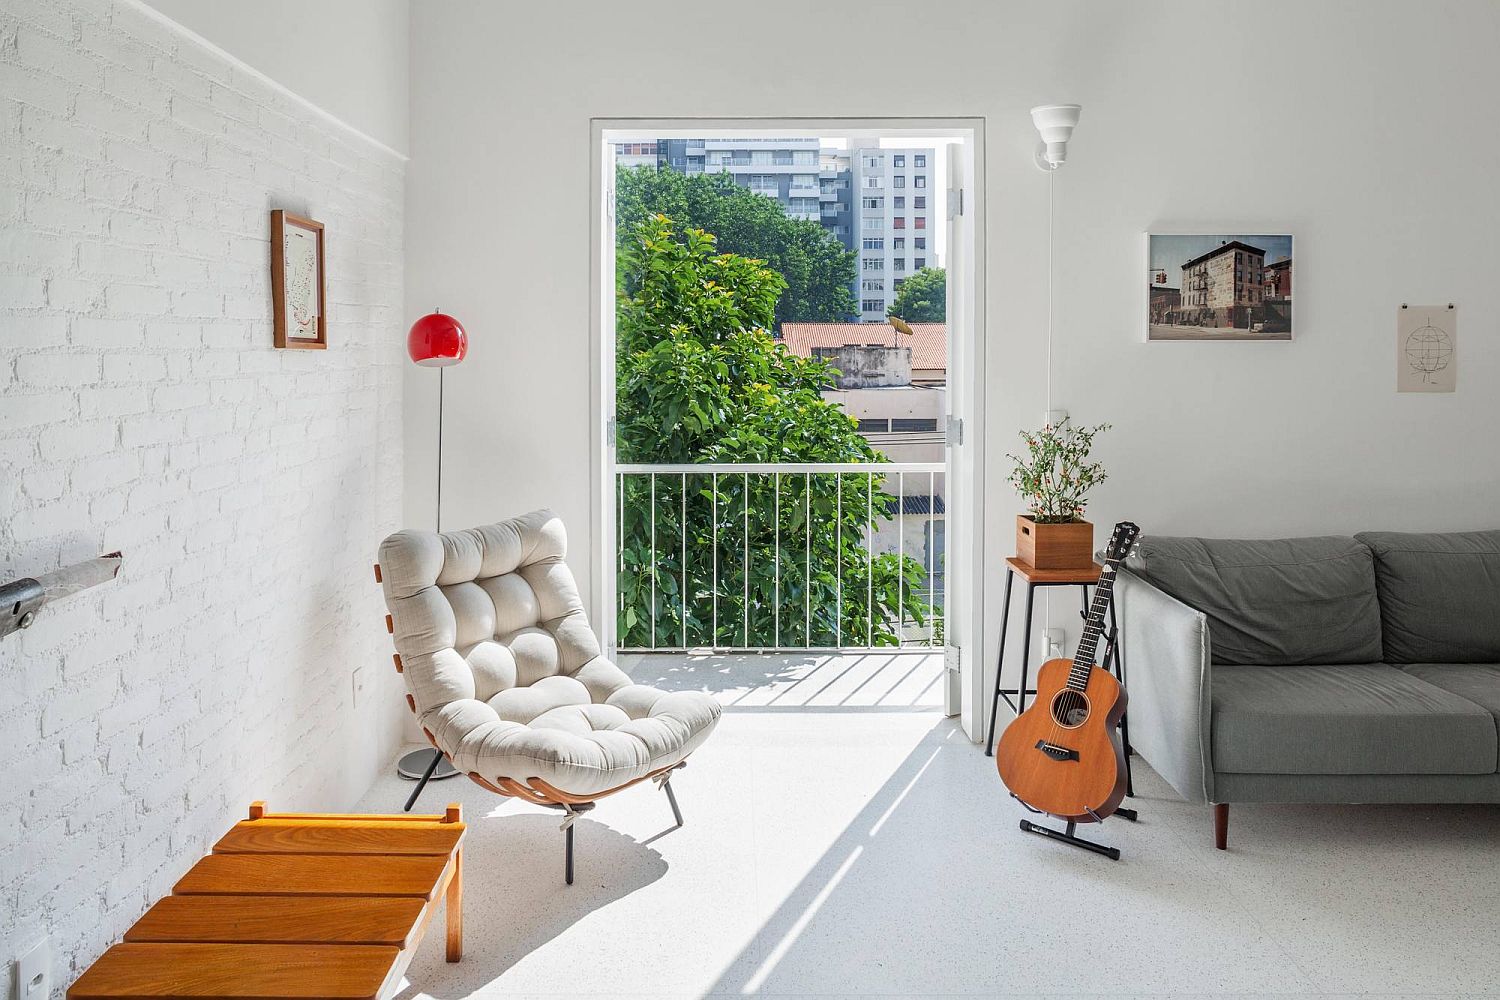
{"x": 1055, "y": 122}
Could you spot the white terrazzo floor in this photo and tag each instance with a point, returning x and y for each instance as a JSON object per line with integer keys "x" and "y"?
{"x": 843, "y": 839}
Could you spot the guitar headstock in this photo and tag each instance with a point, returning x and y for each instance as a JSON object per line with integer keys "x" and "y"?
{"x": 1123, "y": 541}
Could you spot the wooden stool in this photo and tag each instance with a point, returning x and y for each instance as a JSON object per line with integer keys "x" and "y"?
{"x": 1081, "y": 578}
{"x": 295, "y": 905}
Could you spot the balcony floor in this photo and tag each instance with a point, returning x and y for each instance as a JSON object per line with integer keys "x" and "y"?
{"x": 844, "y": 839}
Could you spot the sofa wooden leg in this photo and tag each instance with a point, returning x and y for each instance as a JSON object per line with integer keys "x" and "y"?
{"x": 1221, "y": 825}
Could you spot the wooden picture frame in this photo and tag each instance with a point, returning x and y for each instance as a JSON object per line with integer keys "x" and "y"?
{"x": 300, "y": 319}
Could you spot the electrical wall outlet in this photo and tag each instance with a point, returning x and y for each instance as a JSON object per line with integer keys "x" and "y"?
{"x": 1053, "y": 641}
{"x": 33, "y": 973}
{"x": 359, "y": 685}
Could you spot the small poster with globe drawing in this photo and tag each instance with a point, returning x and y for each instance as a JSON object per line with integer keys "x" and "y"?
{"x": 1426, "y": 348}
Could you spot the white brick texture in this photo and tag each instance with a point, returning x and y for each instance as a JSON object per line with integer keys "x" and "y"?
{"x": 143, "y": 408}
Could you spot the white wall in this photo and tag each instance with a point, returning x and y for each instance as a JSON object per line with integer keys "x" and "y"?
{"x": 143, "y": 408}
{"x": 348, "y": 57}
{"x": 1365, "y": 128}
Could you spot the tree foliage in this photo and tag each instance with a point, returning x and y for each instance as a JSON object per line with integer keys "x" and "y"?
{"x": 818, "y": 272}
{"x": 699, "y": 379}
{"x": 923, "y": 297}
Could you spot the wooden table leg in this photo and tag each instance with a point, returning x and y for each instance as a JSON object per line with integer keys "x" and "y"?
{"x": 455, "y": 907}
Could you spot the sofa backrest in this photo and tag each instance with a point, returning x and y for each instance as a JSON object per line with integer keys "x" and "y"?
{"x": 1439, "y": 595}
{"x": 1281, "y": 601}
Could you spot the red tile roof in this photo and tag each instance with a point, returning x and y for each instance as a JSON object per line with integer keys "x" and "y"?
{"x": 928, "y": 343}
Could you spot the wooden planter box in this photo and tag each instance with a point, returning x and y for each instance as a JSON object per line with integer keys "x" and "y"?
{"x": 1055, "y": 546}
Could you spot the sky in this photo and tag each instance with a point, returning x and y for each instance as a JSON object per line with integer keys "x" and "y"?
{"x": 1169, "y": 253}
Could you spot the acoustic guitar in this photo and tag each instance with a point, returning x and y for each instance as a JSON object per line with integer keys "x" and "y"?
{"x": 1063, "y": 755}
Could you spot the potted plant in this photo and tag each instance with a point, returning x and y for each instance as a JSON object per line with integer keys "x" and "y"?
{"x": 1054, "y": 478}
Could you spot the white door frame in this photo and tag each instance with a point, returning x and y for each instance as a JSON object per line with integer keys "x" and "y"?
{"x": 966, "y": 354}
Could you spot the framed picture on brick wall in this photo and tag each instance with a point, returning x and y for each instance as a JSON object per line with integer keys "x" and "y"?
{"x": 297, "y": 287}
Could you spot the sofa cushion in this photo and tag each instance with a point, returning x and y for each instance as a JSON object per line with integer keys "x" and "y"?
{"x": 1273, "y": 601}
{"x": 1368, "y": 718}
{"x": 1439, "y": 595}
{"x": 1478, "y": 682}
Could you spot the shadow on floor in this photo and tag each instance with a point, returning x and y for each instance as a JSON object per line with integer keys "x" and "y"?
{"x": 513, "y": 878}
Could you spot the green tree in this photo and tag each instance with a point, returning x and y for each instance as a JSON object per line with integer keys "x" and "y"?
{"x": 699, "y": 379}
{"x": 923, "y": 297}
{"x": 816, "y": 268}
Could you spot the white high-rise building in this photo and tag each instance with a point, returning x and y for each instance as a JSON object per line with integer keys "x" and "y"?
{"x": 895, "y": 205}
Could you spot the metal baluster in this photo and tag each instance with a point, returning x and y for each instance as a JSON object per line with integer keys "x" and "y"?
{"x": 900, "y": 559}
{"x": 682, "y": 597}
{"x": 714, "y": 512}
{"x": 746, "y": 567}
{"x": 807, "y": 559}
{"x": 838, "y": 561}
{"x": 870, "y": 562}
{"x": 653, "y": 560}
{"x": 931, "y": 545}
{"x": 776, "y": 567}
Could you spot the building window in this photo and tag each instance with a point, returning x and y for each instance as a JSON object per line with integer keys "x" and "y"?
{"x": 899, "y": 222}
{"x": 920, "y": 222}
{"x": 874, "y": 425}
{"x": 873, "y": 182}
{"x": 898, "y": 160}
{"x": 918, "y": 263}
{"x": 874, "y": 202}
{"x": 919, "y": 160}
{"x": 874, "y": 264}
{"x": 899, "y": 201}
{"x": 873, "y": 162}
{"x": 899, "y": 181}
{"x": 874, "y": 222}
{"x": 914, "y": 423}
{"x": 898, "y": 243}
{"x": 920, "y": 201}
{"x": 872, "y": 285}
{"x": 872, "y": 305}
{"x": 899, "y": 264}
{"x": 921, "y": 243}
{"x": 919, "y": 181}
{"x": 897, "y": 283}
{"x": 874, "y": 243}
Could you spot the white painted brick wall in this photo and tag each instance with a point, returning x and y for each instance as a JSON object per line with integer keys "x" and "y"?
{"x": 143, "y": 408}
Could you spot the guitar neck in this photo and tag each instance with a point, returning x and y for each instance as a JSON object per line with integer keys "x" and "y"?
{"x": 1086, "y": 655}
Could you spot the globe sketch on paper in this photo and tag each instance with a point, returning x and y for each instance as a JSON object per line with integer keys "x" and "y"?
{"x": 1426, "y": 349}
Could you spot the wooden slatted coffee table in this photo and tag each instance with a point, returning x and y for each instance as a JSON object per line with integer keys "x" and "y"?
{"x": 295, "y": 905}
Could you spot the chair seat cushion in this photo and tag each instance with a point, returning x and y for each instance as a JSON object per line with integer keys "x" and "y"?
{"x": 1345, "y": 719}
{"x": 552, "y": 731}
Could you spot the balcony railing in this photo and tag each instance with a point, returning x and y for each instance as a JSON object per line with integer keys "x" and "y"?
{"x": 803, "y": 556}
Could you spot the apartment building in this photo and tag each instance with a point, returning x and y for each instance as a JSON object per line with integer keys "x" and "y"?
{"x": 895, "y": 201}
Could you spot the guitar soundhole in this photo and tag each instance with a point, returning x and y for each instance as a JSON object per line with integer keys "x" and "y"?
{"x": 1070, "y": 709}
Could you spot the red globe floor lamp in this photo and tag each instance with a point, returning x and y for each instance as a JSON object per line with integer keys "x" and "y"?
{"x": 435, "y": 341}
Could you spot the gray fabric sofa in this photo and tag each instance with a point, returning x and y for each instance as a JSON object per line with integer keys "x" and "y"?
{"x": 1363, "y": 669}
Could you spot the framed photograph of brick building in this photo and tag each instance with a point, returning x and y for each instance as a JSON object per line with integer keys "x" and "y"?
{"x": 1218, "y": 287}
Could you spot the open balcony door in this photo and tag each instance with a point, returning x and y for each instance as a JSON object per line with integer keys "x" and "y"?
{"x": 963, "y": 691}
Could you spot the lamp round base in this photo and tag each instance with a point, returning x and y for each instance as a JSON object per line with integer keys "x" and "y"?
{"x": 413, "y": 765}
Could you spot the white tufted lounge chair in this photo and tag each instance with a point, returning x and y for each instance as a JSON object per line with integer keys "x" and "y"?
{"x": 506, "y": 677}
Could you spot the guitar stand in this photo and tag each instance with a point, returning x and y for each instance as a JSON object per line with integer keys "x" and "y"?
{"x": 1066, "y": 835}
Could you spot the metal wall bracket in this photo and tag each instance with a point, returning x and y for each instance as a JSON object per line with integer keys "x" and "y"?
{"x": 21, "y": 599}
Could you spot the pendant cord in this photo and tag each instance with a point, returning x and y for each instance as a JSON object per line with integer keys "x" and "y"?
{"x": 440, "y": 453}
{"x": 1051, "y": 225}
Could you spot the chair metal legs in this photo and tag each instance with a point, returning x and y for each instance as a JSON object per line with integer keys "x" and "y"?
{"x": 574, "y": 810}
{"x": 437, "y": 756}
